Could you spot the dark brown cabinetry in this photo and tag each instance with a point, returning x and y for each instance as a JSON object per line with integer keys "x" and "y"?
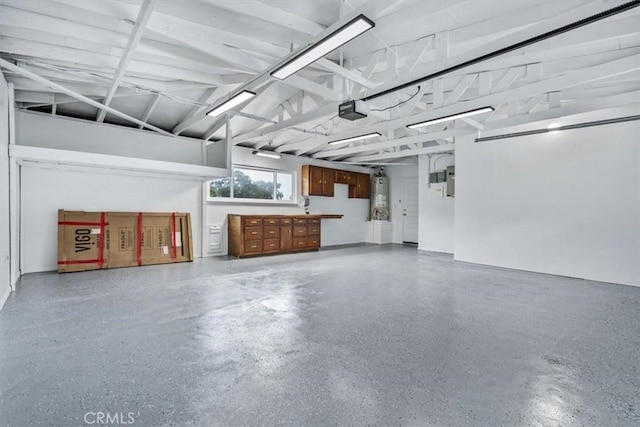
{"x": 286, "y": 234}
{"x": 362, "y": 189}
{"x": 346, "y": 177}
{"x": 319, "y": 181}
{"x": 253, "y": 235}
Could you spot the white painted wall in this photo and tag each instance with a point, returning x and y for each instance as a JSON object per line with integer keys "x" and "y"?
{"x": 46, "y": 188}
{"x": 5, "y": 229}
{"x": 63, "y": 133}
{"x": 565, "y": 203}
{"x": 352, "y": 228}
{"x": 436, "y": 213}
{"x": 396, "y": 175}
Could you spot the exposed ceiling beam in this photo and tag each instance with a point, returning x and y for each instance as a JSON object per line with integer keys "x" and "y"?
{"x": 571, "y": 79}
{"x": 264, "y": 12}
{"x": 554, "y": 22}
{"x": 79, "y": 97}
{"x": 446, "y": 148}
{"x": 150, "y": 108}
{"x": 84, "y": 58}
{"x": 397, "y": 142}
{"x": 205, "y": 99}
{"x": 616, "y": 101}
{"x": 325, "y": 111}
{"x": 136, "y": 34}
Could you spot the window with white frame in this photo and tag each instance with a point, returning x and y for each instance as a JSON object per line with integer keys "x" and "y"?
{"x": 250, "y": 183}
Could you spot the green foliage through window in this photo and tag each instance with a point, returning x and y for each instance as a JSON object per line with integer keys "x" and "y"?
{"x": 254, "y": 184}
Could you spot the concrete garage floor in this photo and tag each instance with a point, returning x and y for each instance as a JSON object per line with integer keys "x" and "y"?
{"x": 371, "y": 335}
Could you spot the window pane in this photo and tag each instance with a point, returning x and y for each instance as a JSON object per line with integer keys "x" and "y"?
{"x": 284, "y": 186}
{"x": 252, "y": 184}
{"x": 220, "y": 188}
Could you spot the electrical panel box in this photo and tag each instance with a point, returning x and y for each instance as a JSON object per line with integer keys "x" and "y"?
{"x": 436, "y": 177}
{"x": 451, "y": 181}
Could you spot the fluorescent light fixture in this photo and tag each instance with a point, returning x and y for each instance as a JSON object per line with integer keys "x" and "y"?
{"x": 451, "y": 117}
{"x": 355, "y": 138}
{"x": 232, "y": 102}
{"x": 342, "y": 35}
{"x": 269, "y": 154}
{"x": 553, "y": 128}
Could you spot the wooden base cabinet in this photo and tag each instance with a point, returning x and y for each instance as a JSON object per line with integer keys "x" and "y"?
{"x": 257, "y": 235}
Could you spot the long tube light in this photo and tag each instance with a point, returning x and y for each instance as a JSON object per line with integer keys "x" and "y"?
{"x": 355, "y": 138}
{"x": 234, "y": 101}
{"x": 560, "y": 128}
{"x": 451, "y": 117}
{"x": 269, "y": 154}
{"x": 342, "y": 35}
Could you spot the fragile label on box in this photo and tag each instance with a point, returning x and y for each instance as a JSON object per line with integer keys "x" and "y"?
{"x": 127, "y": 238}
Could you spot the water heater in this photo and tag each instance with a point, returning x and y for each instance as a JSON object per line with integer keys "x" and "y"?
{"x": 380, "y": 197}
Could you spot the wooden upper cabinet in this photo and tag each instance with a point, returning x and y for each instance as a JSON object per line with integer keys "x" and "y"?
{"x": 328, "y": 181}
{"x": 362, "y": 189}
{"x": 346, "y": 177}
{"x": 317, "y": 181}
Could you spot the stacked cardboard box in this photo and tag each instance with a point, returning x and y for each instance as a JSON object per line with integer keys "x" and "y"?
{"x": 96, "y": 240}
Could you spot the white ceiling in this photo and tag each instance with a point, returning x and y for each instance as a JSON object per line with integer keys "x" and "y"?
{"x": 167, "y": 62}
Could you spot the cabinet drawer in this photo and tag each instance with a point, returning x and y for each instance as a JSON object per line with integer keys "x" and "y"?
{"x": 300, "y": 221}
{"x": 271, "y": 245}
{"x": 313, "y": 242}
{"x": 253, "y": 246}
{"x": 270, "y": 221}
{"x": 299, "y": 242}
{"x": 271, "y": 232}
{"x": 314, "y": 220}
{"x": 299, "y": 230}
{"x": 313, "y": 230}
{"x": 286, "y": 221}
{"x": 252, "y": 233}
{"x": 248, "y": 222}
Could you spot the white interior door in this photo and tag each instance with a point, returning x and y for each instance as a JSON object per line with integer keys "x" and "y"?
{"x": 410, "y": 209}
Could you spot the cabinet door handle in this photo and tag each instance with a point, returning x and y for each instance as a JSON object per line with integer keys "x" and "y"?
{"x": 254, "y": 232}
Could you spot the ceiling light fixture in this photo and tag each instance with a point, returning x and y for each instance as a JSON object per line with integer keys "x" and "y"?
{"x": 342, "y": 35}
{"x": 451, "y": 117}
{"x": 269, "y": 154}
{"x": 355, "y": 138}
{"x": 232, "y": 102}
{"x": 553, "y": 128}
{"x": 560, "y": 128}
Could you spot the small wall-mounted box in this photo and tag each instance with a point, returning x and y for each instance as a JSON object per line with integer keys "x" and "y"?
{"x": 451, "y": 181}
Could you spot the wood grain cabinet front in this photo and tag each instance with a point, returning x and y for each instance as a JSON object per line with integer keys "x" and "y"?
{"x": 271, "y": 232}
{"x": 271, "y": 245}
{"x": 252, "y": 233}
{"x": 299, "y": 230}
{"x": 319, "y": 181}
{"x": 255, "y": 235}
